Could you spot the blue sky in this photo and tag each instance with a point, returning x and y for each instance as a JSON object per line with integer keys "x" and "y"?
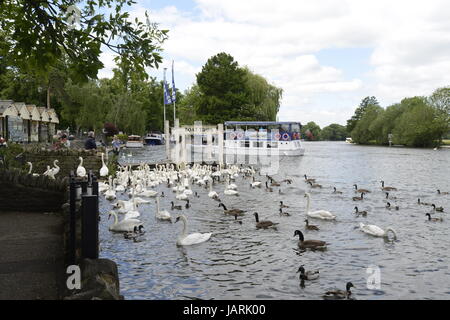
{"x": 327, "y": 55}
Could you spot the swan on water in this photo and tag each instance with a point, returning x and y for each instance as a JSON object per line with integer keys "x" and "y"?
{"x": 162, "y": 215}
{"x": 81, "y": 171}
{"x": 124, "y": 225}
{"x": 376, "y": 231}
{"x": 189, "y": 239}
{"x": 319, "y": 214}
{"x": 104, "y": 169}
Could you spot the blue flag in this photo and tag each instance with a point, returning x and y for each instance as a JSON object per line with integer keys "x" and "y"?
{"x": 167, "y": 96}
{"x": 174, "y": 90}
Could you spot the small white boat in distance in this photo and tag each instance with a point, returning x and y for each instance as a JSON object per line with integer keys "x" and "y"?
{"x": 349, "y": 140}
{"x": 134, "y": 142}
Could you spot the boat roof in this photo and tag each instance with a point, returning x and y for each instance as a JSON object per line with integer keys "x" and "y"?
{"x": 259, "y": 123}
{"x": 134, "y": 136}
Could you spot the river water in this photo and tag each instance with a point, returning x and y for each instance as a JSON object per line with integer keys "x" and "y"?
{"x": 241, "y": 262}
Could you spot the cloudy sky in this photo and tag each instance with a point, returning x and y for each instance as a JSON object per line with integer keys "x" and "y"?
{"x": 325, "y": 54}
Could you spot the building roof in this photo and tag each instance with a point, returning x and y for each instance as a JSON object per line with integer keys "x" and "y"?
{"x": 7, "y": 108}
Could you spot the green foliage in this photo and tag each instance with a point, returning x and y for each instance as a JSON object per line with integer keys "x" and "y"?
{"x": 420, "y": 125}
{"x": 334, "y": 132}
{"x": 40, "y": 34}
{"x": 122, "y": 137}
{"x": 311, "y": 131}
{"x": 363, "y": 131}
{"x": 359, "y": 112}
{"x": 10, "y": 156}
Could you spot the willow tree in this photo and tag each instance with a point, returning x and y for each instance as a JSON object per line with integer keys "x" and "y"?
{"x": 263, "y": 96}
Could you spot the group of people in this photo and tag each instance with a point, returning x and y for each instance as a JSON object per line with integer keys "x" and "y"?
{"x": 90, "y": 143}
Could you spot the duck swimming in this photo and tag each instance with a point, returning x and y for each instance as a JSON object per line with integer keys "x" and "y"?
{"x": 310, "y": 226}
{"x": 339, "y": 294}
{"x": 307, "y": 275}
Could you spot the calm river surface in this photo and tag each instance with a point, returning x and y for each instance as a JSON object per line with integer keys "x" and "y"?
{"x": 241, "y": 262}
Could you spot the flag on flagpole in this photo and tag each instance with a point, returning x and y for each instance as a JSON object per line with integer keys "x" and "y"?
{"x": 167, "y": 96}
{"x": 174, "y": 90}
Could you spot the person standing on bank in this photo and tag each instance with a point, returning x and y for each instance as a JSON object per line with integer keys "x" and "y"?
{"x": 90, "y": 143}
{"x": 116, "y": 145}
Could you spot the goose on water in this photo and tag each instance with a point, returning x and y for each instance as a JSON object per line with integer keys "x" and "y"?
{"x": 309, "y": 244}
{"x": 310, "y": 226}
{"x": 190, "y": 239}
{"x": 263, "y": 224}
{"x": 442, "y": 193}
{"x": 388, "y": 206}
{"x": 359, "y": 198}
{"x": 360, "y": 190}
{"x": 238, "y": 212}
{"x": 282, "y": 213}
{"x": 282, "y": 205}
{"x": 174, "y": 207}
{"x": 362, "y": 213}
{"x": 434, "y": 219}
{"x": 423, "y": 203}
{"x": 387, "y": 188}
{"x": 318, "y": 214}
{"x": 440, "y": 209}
{"x": 336, "y": 191}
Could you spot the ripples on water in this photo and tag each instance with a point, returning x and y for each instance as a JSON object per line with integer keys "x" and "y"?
{"x": 240, "y": 262}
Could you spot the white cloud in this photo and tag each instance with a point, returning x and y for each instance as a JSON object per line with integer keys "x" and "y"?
{"x": 280, "y": 40}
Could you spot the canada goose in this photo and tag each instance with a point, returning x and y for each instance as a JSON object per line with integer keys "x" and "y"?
{"x": 238, "y": 212}
{"x": 288, "y": 181}
{"x": 309, "y": 244}
{"x": 336, "y": 191}
{"x": 362, "y": 213}
{"x": 388, "y": 206}
{"x": 359, "y": 198}
{"x": 131, "y": 234}
{"x": 263, "y": 224}
{"x": 268, "y": 188}
{"x": 273, "y": 183}
{"x": 339, "y": 294}
{"x": 284, "y": 213}
{"x": 187, "y": 204}
{"x": 423, "y": 203}
{"x": 318, "y": 214}
{"x": 392, "y": 198}
{"x": 282, "y": 205}
{"x": 442, "y": 193}
{"x": 174, "y": 207}
{"x": 309, "y": 179}
{"x": 360, "y": 190}
{"x": 315, "y": 185}
{"x": 440, "y": 209}
{"x": 236, "y": 219}
{"x": 434, "y": 219}
{"x": 307, "y": 275}
{"x": 310, "y": 226}
{"x": 189, "y": 239}
{"x": 387, "y": 188}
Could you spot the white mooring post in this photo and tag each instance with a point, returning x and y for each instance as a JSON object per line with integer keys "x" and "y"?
{"x": 183, "y": 145}
{"x": 167, "y": 138}
{"x": 220, "y": 142}
{"x": 177, "y": 141}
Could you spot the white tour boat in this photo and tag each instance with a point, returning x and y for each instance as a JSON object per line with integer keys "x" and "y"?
{"x": 255, "y": 138}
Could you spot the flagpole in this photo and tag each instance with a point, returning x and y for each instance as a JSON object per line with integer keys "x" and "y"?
{"x": 164, "y": 96}
{"x": 174, "y": 95}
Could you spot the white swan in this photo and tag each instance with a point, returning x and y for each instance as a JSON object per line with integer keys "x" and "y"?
{"x": 212, "y": 194}
{"x": 181, "y": 196}
{"x": 49, "y": 173}
{"x": 31, "y": 169}
{"x": 231, "y": 186}
{"x": 81, "y": 171}
{"x": 319, "y": 214}
{"x": 194, "y": 238}
{"x": 110, "y": 194}
{"x": 162, "y": 215}
{"x": 104, "y": 169}
{"x": 54, "y": 171}
{"x": 230, "y": 192}
{"x": 132, "y": 213}
{"x": 376, "y": 231}
{"x": 124, "y": 225}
